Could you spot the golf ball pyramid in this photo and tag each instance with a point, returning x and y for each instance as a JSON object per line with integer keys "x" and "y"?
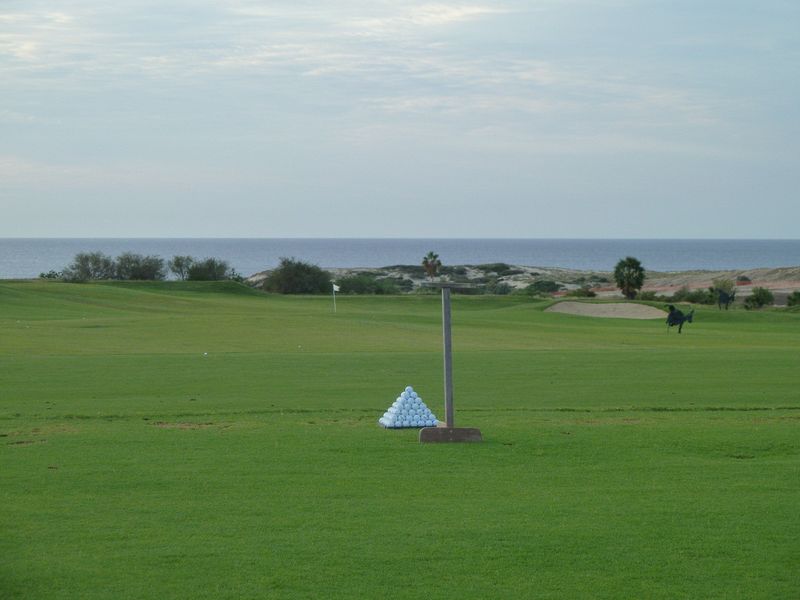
{"x": 408, "y": 411}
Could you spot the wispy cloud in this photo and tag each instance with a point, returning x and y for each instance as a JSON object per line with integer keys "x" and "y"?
{"x": 419, "y": 16}
{"x": 373, "y": 60}
{"x": 357, "y": 43}
{"x": 11, "y": 116}
{"x": 461, "y": 105}
{"x": 20, "y": 171}
{"x": 292, "y": 98}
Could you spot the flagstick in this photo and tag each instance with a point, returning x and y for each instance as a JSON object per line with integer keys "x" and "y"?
{"x": 333, "y": 290}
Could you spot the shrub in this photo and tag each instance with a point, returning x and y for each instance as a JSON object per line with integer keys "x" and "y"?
{"x": 499, "y": 288}
{"x": 699, "y": 296}
{"x": 544, "y": 286}
{"x": 794, "y": 298}
{"x": 647, "y": 296}
{"x": 233, "y": 275}
{"x": 210, "y": 269}
{"x": 51, "y": 275}
{"x": 405, "y": 285}
{"x": 401, "y": 284}
{"x": 386, "y": 286}
{"x": 461, "y": 271}
{"x": 724, "y": 284}
{"x": 138, "y": 267}
{"x": 411, "y": 270}
{"x": 759, "y": 298}
{"x": 462, "y": 279}
{"x": 581, "y": 292}
{"x": 680, "y": 294}
{"x": 179, "y": 265}
{"x": 743, "y": 279}
{"x": 367, "y": 283}
{"x": 87, "y": 266}
{"x": 499, "y": 269}
{"x": 297, "y": 277}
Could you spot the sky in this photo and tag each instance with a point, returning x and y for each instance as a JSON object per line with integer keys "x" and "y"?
{"x": 373, "y": 118}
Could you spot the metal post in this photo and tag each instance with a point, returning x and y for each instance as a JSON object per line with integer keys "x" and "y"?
{"x": 450, "y": 433}
{"x": 448, "y": 358}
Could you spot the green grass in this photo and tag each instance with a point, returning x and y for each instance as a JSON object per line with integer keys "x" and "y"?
{"x": 619, "y": 461}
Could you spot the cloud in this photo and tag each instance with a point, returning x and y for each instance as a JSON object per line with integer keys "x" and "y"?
{"x": 421, "y": 16}
{"x": 464, "y": 104}
{"x": 20, "y": 171}
{"x": 30, "y": 35}
{"x": 370, "y": 60}
{"x": 11, "y": 116}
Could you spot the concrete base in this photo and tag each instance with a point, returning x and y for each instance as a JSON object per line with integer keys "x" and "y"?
{"x": 449, "y": 434}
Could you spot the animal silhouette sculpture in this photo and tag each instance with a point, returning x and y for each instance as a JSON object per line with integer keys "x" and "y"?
{"x": 725, "y": 298}
{"x": 676, "y": 317}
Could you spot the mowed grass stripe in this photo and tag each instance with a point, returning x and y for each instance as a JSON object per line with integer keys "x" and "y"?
{"x": 585, "y": 379}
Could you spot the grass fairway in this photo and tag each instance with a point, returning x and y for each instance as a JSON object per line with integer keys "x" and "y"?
{"x": 619, "y": 461}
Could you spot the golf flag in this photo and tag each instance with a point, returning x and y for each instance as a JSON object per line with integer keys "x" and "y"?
{"x": 335, "y": 288}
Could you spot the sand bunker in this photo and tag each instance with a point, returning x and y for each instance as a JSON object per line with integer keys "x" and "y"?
{"x": 617, "y": 310}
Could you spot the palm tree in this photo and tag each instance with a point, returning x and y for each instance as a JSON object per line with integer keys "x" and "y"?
{"x": 629, "y": 276}
{"x": 431, "y": 264}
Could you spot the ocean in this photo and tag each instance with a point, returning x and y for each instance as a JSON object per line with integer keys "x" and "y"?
{"x": 26, "y": 257}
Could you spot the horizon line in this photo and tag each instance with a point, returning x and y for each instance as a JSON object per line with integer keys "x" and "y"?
{"x": 638, "y": 239}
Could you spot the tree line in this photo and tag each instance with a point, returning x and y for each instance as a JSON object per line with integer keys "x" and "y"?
{"x": 293, "y": 276}
{"x": 128, "y": 266}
